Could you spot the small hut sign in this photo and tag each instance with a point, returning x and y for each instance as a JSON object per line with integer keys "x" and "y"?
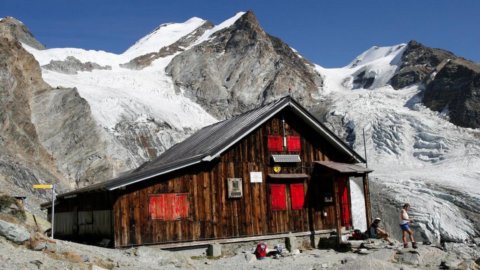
{"x": 235, "y": 187}
{"x": 256, "y": 177}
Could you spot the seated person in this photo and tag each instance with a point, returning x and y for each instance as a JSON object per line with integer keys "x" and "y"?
{"x": 374, "y": 231}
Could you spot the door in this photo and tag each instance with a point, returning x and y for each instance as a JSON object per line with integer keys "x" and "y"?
{"x": 344, "y": 197}
{"x": 359, "y": 213}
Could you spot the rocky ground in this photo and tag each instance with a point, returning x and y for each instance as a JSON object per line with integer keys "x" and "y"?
{"x": 24, "y": 246}
{"x": 375, "y": 255}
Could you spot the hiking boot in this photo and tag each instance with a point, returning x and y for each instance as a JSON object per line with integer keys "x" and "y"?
{"x": 405, "y": 245}
{"x": 414, "y": 245}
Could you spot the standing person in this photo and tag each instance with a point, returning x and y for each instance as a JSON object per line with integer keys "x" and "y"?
{"x": 405, "y": 226}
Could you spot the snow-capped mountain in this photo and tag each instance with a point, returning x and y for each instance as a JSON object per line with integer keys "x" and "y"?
{"x": 417, "y": 106}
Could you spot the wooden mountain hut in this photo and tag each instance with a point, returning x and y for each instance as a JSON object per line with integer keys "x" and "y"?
{"x": 267, "y": 172}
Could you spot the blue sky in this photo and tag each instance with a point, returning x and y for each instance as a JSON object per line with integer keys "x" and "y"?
{"x": 329, "y": 33}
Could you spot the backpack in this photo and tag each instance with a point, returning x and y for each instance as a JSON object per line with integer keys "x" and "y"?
{"x": 261, "y": 250}
{"x": 358, "y": 235}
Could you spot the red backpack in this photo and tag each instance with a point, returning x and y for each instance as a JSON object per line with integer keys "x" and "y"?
{"x": 261, "y": 250}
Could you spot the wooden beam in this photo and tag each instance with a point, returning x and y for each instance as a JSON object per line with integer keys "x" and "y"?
{"x": 232, "y": 240}
{"x": 366, "y": 192}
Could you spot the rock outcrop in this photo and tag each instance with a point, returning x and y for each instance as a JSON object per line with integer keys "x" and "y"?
{"x": 14, "y": 29}
{"x": 14, "y": 233}
{"x": 72, "y": 65}
{"x": 143, "y": 61}
{"x": 452, "y": 84}
{"x": 417, "y": 63}
{"x": 23, "y": 159}
{"x": 240, "y": 67}
{"x": 47, "y": 135}
{"x": 67, "y": 129}
{"x": 455, "y": 90}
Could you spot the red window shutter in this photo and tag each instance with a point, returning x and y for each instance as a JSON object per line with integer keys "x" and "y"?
{"x": 344, "y": 205}
{"x": 297, "y": 194}
{"x": 293, "y": 144}
{"x": 181, "y": 206}
{"x": 277, "y": 195}
{"x": 169, "y": 206}
{"x": 275, "y": 144}
{"x": 157, "y": 206}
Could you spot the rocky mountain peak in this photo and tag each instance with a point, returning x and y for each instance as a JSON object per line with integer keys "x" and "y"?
{"x": 240, "y": 67}
{"x": 14, "y": 29}
{"x": 420, "y": 54}
{"x": 248, "y": 22}
{"x": 417, "y": 62}
{"x": 451, "y": 83}
{"x": 455, "y": 90}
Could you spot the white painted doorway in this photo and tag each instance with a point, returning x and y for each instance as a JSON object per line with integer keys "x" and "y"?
{"x": 357, "y": 196}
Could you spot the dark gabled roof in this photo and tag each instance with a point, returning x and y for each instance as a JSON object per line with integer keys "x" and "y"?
{"x": 211, "y": 141}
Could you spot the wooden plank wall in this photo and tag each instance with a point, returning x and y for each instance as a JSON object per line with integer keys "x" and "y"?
{"x": 212, "y": 215}
{"x": 88, "y": 216}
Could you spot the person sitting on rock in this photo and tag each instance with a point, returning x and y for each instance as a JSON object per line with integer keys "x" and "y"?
{"x": 405, "y": 226}
{"x": 374, "y": 231}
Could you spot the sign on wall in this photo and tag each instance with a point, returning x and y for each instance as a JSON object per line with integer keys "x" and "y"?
{"x": 235, "y": 189}
{"x": 256, "y": 177}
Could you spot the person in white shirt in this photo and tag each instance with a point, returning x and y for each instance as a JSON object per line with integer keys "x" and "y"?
{"x": 405, "y": 226}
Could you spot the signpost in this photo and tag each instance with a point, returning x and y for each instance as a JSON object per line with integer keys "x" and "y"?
{"x": 52, "y": 187}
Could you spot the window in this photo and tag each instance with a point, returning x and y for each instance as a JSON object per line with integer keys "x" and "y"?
{"x": 277, "y": 195}
{"x": 297, "y": 195}
{"x": 168, "y": 206}
{"x": 293, "y": 144}
{"x": 275, "y": 144}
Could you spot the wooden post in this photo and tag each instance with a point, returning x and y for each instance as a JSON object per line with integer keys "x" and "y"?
{"x": 366, "y": 192}
{"x": 337, "y": 210}
{"x": 53, "y": 211}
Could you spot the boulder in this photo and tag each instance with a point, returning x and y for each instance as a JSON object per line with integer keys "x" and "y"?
{"x": 250, "y": 257}
{"x": 14, "y": 232}
{"x": 51, "y": 246}
{"x": 214, "y": 250}
{"x": 451, "y": 262}
{"x": 38, "y": 245}
{"x": 291, "y": 242}
{"x": 411, "y": 258}
{"x": 11, "y": 206}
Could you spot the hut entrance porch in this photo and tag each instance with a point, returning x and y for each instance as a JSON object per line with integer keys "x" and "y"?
{"x": 336, "y": 179}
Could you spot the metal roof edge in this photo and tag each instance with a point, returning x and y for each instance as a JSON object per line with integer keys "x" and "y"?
{"x": 160, "y": 171}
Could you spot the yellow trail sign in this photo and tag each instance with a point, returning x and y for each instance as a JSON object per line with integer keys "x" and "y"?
{"x": 44, "y": 186}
